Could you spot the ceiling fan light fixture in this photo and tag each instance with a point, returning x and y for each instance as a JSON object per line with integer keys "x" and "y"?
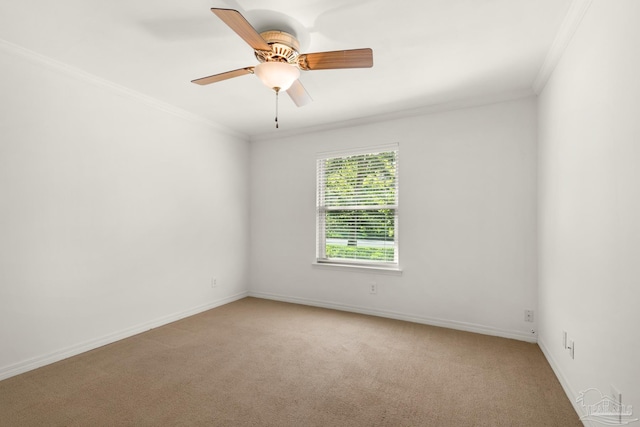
{"x": 277, "y": 75}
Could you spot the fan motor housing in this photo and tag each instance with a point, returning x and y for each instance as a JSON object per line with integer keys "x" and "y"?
{"x": 284, "y": 47}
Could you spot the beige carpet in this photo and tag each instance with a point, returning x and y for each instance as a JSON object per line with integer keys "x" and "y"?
{"x": 264, "y": 363}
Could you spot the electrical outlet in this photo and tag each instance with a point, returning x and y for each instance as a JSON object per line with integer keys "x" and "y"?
{"x": 528, "y": 315}
{"x": 564, "y": 339}
{"x": 572, "y": 348}
{"x": 214, "y": 282}
{"x": 373, "y": 288}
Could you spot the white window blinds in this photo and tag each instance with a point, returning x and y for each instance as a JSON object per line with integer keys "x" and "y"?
{"x": 357, "y": 206}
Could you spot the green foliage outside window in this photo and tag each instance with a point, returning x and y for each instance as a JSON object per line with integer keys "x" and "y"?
{"x": 360, "y": 252}
{"x": 365, "y": 185}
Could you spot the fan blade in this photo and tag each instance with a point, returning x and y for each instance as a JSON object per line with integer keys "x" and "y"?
{"x": 223, "y": 76}
{"x": 356, "y": 58}
{"x": 241, "y": 26}
{"x": 299, "y": 94}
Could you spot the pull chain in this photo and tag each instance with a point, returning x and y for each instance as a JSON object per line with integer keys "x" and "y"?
{"x": 277, "y": 89}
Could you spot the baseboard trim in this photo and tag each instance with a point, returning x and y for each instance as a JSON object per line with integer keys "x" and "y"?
{"x": 568, "y": 390}
{"x": 461, "y": 326}
{"x": 74, "y": 350}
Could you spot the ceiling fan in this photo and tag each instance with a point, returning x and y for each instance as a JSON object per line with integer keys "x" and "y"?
{"x": 280, "y": 61}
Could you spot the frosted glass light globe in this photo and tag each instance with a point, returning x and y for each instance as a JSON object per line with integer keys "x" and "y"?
{"x": 280, "y": 75}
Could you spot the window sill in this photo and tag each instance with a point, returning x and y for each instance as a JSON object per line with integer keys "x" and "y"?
{"x": 394, "y": 271}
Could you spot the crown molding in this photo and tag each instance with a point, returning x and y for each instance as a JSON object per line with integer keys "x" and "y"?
{"x": 494, "y": 98}
{"x": 568, "y": 28}
{"x": 84, "y": 76}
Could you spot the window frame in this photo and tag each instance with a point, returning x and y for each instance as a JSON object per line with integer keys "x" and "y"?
{"x": 322, "y": 209}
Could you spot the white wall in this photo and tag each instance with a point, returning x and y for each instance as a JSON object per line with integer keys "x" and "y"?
{"x": 467, "y": 220}
{"x": 114, "y": 214}
{"x": 590, "y": 204}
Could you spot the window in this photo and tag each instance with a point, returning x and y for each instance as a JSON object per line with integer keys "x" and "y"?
{"x": 357, "y": 207}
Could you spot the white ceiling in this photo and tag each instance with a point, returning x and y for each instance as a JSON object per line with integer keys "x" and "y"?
{"x": 426, "y": 52}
